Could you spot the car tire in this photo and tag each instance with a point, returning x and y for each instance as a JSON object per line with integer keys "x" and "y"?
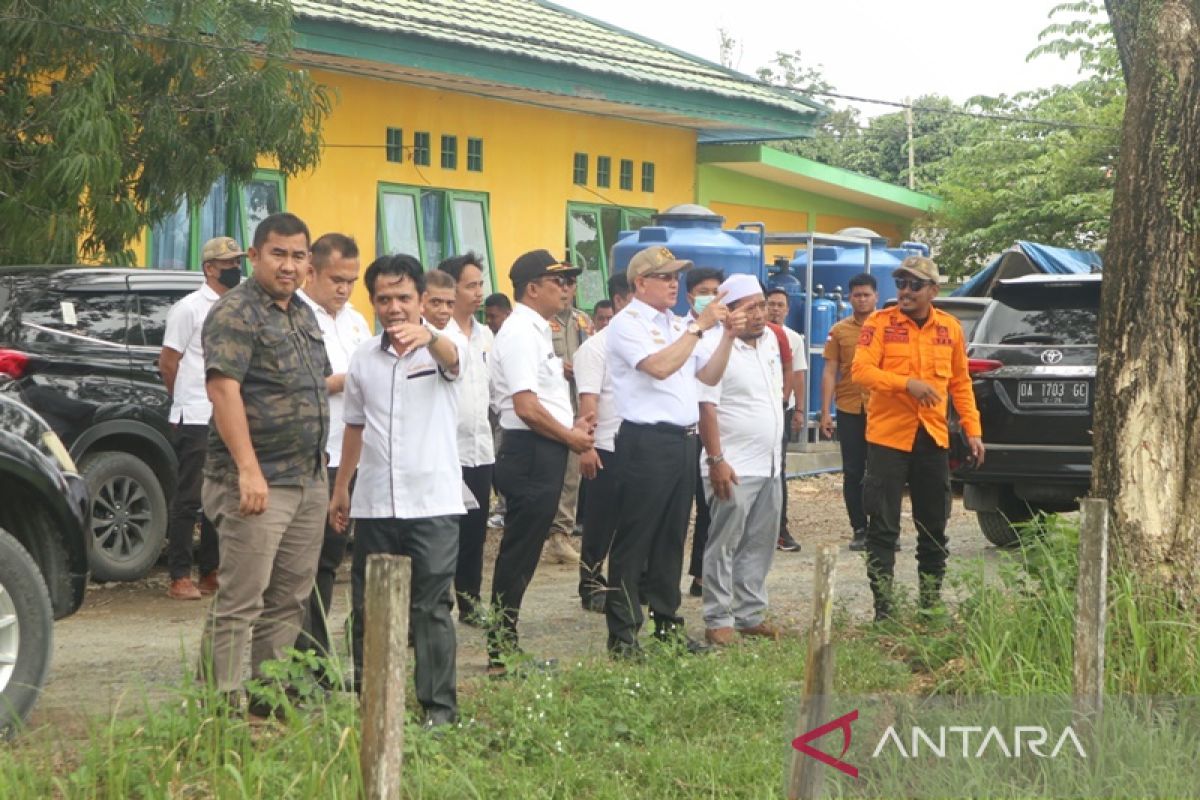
{"x": 1003, "y": 527}
{"x": 26, "y": 633}
{"x": 128, "y": 519}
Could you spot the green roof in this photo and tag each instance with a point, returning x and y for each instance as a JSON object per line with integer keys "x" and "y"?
{"x": 538, "y": 46}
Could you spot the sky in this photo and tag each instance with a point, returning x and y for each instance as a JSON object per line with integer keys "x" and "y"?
{"x": 885, "y": 49}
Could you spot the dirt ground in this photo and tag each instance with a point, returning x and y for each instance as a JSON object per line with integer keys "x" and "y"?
{"x": 129, "y": 643}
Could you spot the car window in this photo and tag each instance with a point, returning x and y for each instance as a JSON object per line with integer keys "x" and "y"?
{"x": 96, "y": 315}
{"x": 151, "y": 318}
{"x": 1062, "y": 325}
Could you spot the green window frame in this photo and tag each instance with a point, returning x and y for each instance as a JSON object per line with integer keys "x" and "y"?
{"x": 647, "y": 176}
{"x": 626, "y": 174}
{"x": 579, "y": 170}
{"x": 224, "y": 211}
{"x": 591, "y": 232}
{"x": 421, "y": 148}
{"x": 603, "y": 171}
{"x": 433, "y": 223}
{"x": 449, "y": 151}
{"x": 395, "y": 145}
{"x": 474, "y": 155}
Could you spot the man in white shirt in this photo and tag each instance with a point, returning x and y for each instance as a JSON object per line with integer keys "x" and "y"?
{"x": 475, "y": 446}
{"x": 401, "y": 414}
{"x": 597, "y": 465}
{"x": 794, "y": 422}
{"x": 181, "y": 363}
{"x": 332, "y": 273}
{"x": 530, "y": 390}
{"x": 741, "y": 427}
{"x": 655, "y": 361}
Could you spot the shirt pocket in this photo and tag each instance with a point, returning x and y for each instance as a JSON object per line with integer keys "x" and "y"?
{"x": 941, "y": 362}
{"x": 550, "y": 371}
{"x": 897, "y": 360}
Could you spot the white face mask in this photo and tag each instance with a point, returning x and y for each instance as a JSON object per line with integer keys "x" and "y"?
{"x": 702, "y": 302}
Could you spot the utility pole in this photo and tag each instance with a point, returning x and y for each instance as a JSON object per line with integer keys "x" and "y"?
{"x": 911, "y": 159}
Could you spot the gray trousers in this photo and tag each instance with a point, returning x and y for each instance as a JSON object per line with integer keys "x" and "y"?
{"x": 268, "y": 563}
{"x": 737, "y": 557}
{"x": 432, "y": 544}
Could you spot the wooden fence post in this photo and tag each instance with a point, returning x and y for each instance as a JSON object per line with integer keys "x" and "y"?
{"x": 1091, "y": 610}
{"x": 805, "y": 776}
{"x": 385, "y": 651}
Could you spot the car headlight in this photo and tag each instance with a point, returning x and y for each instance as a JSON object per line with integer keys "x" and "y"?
{"x": 59, "y": 451}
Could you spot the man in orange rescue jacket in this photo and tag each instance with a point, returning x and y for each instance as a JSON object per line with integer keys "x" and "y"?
{"x": 912, "y": 357}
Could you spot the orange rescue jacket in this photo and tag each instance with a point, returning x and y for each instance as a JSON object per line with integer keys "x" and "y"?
{"x": 891, "y": 350}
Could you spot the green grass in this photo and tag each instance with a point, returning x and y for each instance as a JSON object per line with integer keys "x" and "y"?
{"x": 674, "y": 726}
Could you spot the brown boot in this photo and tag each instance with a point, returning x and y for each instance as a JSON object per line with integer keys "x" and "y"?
{"x": 763, "y": 630}
{"x": 719, "y": 637}
{"x": 558, "y": 550}
{"x": 183, "y": 589}
{"x": 209, "y": 583}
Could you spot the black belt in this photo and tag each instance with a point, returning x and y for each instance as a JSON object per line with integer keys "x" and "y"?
{"x": 664, "y": 427}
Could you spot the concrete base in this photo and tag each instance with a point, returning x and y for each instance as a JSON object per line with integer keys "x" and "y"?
{"x": 813, "y": 459}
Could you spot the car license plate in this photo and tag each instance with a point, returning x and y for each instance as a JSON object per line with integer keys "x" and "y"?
{"x": 1053, "y": 394}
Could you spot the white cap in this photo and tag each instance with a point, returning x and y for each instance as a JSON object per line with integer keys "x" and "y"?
{"x": 738, "y": 286}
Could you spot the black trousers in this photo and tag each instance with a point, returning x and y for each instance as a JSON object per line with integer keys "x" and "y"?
{"x": 852, "y": 439}
{"x": 599, "y": 525}
{"x": 432, "y": 544}
{"x": 472, "y": 530}
{"x": 314, "y": 636}
{"x": 788, "y": 413}
{"x": 655, "y": 484}
{"x": 700, "y": 531}
{"x": 926, "y": 472}
{"x": 191, "y": 445}
{"x": 529, "y": 472}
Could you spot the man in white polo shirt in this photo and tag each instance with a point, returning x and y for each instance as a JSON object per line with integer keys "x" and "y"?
{"x": 741, "y": 427}
{"x": 181, "y": 363}
{"x": 476, "y": 454}
{"x": 401, "y": 416}
{"x": 655, "y": 359}
{"x": 531, "y": 392}
{"x": 332, "y": 273}
{"x": 597, "y": 465}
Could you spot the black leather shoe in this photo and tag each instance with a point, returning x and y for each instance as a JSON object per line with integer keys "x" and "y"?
{"x": 859, "y": 542}
{"x": 593, "y": 603}
{"x": 684, "y": 643}
{"x": 696, "y": 589}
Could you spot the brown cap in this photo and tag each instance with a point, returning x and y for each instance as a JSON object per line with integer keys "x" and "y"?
{"x": 654, "y": 260}
{"x": 918, "y": 267}
{"x": 538, "y": 264}
{"x": 219, "y": 249}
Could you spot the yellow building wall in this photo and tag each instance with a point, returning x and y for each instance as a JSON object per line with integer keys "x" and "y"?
{"x": 777, "y": 220}
{"x": 831, "y": 222}
{"x": 528, "y": 157}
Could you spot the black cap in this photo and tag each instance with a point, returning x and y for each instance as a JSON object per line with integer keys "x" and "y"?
{"x": 538, "y": 264}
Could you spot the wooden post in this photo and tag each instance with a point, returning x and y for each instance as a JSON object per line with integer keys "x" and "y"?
{"x": 1091, "y": 598}
{"x": 385, "y": 650}
{"x": 806, "y": 773}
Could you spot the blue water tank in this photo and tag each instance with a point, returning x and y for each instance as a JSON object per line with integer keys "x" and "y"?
{"x": 694, "y": 233}
{"x": 836, "y": 265}
{"x": 824, "y": 315}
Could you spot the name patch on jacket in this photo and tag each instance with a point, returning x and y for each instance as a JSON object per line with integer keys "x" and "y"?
{"x": 895, "y": 333}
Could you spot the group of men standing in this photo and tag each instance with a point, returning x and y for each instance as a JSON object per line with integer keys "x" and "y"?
{"x": 316, "y": 422}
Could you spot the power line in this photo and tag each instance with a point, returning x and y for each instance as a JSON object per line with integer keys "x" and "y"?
{"x": 607, "y": 56}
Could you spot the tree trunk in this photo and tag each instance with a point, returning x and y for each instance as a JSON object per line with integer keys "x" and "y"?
{"x": 1147, "y": 420}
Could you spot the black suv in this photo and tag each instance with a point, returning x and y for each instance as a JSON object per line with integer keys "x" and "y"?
{"x": 43, "y": 553}
{"x": 81, "y": 346}
{"x": 1033, "y": 360}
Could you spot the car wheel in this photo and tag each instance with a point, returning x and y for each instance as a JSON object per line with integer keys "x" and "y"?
{"x": 26, "y": 633}
{"x": 1003, "y": 527}
{"x": 128, "y": 521}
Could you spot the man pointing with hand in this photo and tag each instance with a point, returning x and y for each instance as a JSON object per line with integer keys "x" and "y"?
{"x": 655, "y": 358}
{"x": 911, "y": 358}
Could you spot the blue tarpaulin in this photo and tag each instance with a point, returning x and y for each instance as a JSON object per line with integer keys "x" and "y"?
{"x": 1025, "y": 258}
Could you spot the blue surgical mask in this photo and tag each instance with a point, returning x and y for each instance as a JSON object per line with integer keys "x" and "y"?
{"x": 702, "y": 302}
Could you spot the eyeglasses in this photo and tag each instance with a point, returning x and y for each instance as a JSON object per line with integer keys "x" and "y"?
{"x": 916, "y": 284}
{"x": 665, "y": 277}
{"x": 565, "y": 283}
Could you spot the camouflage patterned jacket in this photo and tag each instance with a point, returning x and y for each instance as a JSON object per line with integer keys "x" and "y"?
{"x": 279, "y": 359}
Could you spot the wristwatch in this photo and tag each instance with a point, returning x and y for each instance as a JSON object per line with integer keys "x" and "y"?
{"x": 712, "y": 461}
{"x": 694, "y": 328}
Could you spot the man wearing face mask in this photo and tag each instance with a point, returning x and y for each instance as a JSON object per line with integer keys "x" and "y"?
{"x": 701, "y": 284}
{"x": 181, "y": 363}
